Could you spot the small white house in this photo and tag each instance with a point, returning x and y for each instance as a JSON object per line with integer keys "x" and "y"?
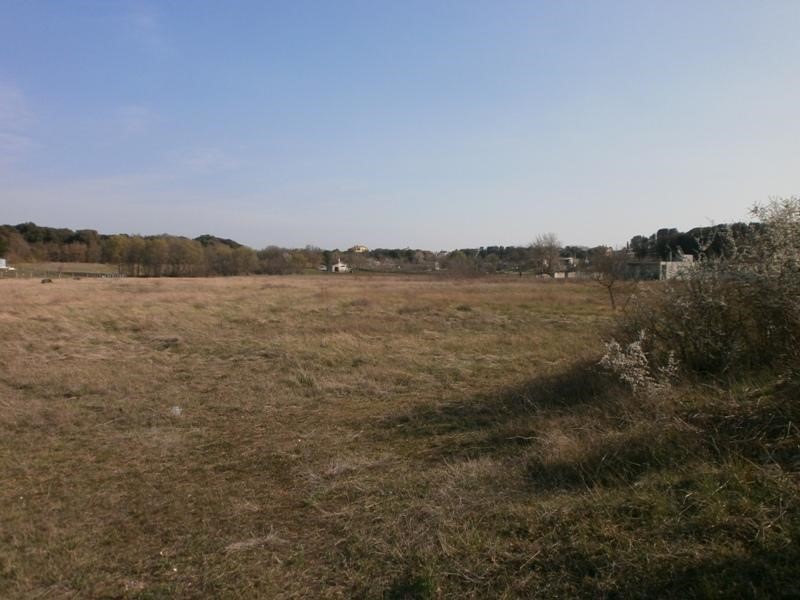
{"x": 339, "y": 267}
{"x": 4, "y": 265}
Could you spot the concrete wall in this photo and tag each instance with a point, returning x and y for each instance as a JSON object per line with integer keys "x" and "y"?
{"x": 656, "y": 269}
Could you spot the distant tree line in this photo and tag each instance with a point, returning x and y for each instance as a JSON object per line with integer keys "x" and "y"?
{"x": 207, "y": 255}
{"x": 544, "y": 256}
{"x": 716, "y": 241}
{"x": 150, "y": 256}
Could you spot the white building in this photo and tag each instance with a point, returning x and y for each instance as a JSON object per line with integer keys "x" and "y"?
{"x": 4, "y": 265}
{"x": 339, "y": 267}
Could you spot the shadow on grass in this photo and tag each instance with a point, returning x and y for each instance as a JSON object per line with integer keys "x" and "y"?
{"x": 617, "y": 458}
{"x": 578, "y": 428}
{"x": 582, "y": 385}
{"x": 762, "y": 426}
{"x": 759, "y": 572}
{"x": 688, "y": 471}
{"x": 614, "y": 445}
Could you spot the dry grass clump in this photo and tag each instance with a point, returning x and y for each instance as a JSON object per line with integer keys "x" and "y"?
{"x": 369, "y": 437}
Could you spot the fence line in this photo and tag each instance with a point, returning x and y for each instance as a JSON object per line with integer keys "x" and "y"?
{"x": 47, "y": 274}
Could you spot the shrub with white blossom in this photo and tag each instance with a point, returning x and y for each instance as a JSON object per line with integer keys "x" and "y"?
{"x": 740, "y": 311}
{"x": 632, "y": 366}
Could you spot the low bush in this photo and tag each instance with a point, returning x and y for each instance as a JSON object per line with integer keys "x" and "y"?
{"x": 739, "y": 312}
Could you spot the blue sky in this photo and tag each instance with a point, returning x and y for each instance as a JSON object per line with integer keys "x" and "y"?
{"x": 423, "y": 124}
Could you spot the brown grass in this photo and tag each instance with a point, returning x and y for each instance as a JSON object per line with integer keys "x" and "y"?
{"x": 65, "y": 267}
{"x": 343, "y": 437}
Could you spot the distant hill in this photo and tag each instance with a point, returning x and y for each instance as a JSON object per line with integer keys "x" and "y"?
{"x": 207, "y": 239}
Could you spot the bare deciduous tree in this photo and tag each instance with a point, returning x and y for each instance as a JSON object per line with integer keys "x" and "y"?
{"x": 546, "y": 253}
{"x": 608, "y": 268}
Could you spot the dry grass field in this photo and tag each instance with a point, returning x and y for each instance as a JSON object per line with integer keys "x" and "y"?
{"x": 54, "y": 268}
{"x": 374, "y": 437}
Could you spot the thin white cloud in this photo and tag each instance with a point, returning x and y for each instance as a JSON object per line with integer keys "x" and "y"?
{"x": 14, "y": 111}
{"x": 14, "y": 144}
{"x": 205, "y": 159}
{"x": 15, "y": 120}
{"x": 134, "y": 119}
{"x": 143, "y": 24}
